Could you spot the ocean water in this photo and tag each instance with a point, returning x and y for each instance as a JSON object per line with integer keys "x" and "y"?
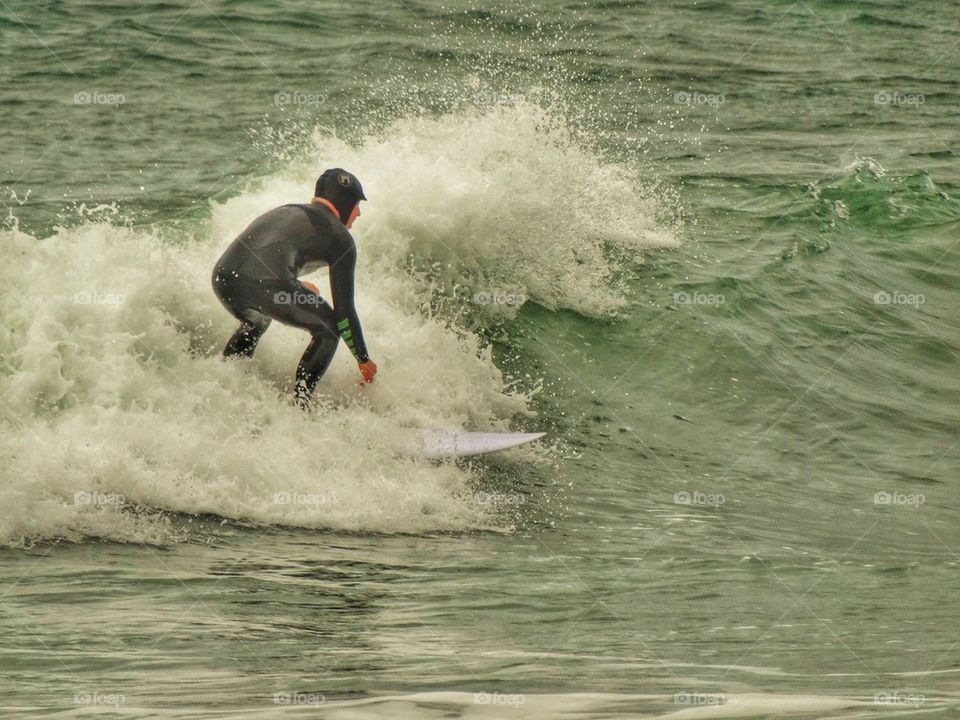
{"x": 710, "y": 247}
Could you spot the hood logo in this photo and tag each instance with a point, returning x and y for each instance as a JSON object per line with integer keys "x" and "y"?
{"x": 344, "y": 180}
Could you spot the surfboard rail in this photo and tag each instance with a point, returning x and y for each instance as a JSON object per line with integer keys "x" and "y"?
{"x": 457, "y": 443}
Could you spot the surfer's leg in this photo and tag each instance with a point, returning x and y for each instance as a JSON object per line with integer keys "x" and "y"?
{"x": 302, "y": 308}
{"x": 313, "y": 364}
{"x": 241, "y": 297}
{"x": 244, "y": 340}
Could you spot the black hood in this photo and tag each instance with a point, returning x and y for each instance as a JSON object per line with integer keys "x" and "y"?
{"x": 342, "y": 189}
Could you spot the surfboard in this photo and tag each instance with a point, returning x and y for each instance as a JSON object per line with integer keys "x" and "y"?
{"x": 453, "y": 443}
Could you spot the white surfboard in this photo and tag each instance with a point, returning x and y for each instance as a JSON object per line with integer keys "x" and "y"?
{"x": 457, "y": 443}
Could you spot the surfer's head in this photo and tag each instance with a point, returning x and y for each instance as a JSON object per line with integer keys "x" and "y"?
{"x": 344, "y": 192}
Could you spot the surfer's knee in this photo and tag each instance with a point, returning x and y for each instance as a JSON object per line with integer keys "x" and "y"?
{"x": 322, "y": 333}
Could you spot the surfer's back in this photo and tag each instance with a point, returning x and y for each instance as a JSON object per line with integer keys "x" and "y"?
{"x": 282, "y": 242}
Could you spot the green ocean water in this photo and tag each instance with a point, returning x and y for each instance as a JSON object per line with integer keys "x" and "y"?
{"x": 710, "y": 247}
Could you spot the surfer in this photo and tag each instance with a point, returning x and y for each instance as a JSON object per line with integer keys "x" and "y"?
{"x": 256, "y": 279}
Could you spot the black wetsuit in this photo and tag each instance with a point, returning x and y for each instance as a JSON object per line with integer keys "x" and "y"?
{"x": 256, "y": 280}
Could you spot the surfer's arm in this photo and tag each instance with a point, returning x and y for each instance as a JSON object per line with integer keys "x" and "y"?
{"x": 341, "y": 289}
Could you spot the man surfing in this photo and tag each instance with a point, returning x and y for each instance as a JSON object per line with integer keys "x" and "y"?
{"x": 256, "y": 279}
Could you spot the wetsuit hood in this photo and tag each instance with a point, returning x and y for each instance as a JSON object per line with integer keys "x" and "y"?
{"x": 342, "y": 189}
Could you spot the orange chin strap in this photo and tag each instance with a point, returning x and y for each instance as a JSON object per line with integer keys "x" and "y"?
{"x": 324, "y": 201}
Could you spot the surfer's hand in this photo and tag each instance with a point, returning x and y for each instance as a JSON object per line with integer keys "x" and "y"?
{"x": 368, "y": 370}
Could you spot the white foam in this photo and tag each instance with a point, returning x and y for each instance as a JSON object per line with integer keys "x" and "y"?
{"x": 501, "y": 704}
{"x": 502, "y": 201}
{"x": 111, "y": 386}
